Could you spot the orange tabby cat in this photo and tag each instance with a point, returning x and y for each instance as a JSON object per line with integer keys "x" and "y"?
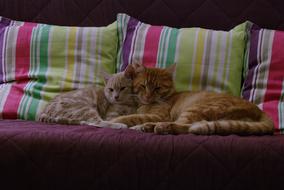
{"x": 164, "y": 111}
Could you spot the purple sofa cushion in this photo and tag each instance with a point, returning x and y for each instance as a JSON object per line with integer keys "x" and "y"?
{"x": 214, "y": 14}
{"x": 39, "y": 156}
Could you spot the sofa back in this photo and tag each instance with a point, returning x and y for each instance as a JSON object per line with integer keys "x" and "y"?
{"x": 214, "y": 14}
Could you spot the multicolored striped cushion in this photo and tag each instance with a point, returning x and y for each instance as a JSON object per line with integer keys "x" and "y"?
{"x": 38, "y": 61}
{"x": 264, "y": 73}
{"x": 206, "y": 59}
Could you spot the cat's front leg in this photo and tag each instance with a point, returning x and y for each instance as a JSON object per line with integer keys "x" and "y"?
{"x": 124, "y": 120}
{"x": 165, "y": 128}
{"x": 137, "y": 119}
{"x": 104, "y": 124}
{"x": 146, "y": 127}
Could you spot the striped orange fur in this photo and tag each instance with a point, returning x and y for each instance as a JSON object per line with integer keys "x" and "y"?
{"x": 164, "y": 111}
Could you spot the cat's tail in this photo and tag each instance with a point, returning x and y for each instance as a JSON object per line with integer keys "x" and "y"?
{"x": 105, "y": 124}
{"x": 67, "y": 121}
{"x": 225, "y": 127}
{"x": 59, "y": 120}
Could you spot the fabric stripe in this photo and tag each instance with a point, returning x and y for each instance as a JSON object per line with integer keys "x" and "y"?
{"x": 151, "y": 46}
{"x": 127, "y": 42}
{"x": 86, "y": 59}
{"x": 21, "y": 70}
{"x": 254, "y": 38}
{"x": 172, "y": 47}
{"x": 206, "y": 59}
{"x": 223, "y": 61}
{"x": 139, "y": 43}
{"x": 262, "y": 69}
{"x": 132, "y": 54}
{"x": 6, "y": 22}
{"x": 193, "y": 59}
{"x": 4, "y": 91}
{"x": 10, "y": 54}
{"x": 227, "y": 62}
{"x": 23, "y": 51}
{"x": 185, "y": 51}
{"x": 26, "y": 100}
{"x": 163, "y": 48}
{"x": 196, "y": 70}
{"x": 281, "y": 109}
{"x": 68, "y": 85}
{"x": 98, "y": 52}
{"x": 93, "y": 39}
{"x": 216, "y": 64}
{"x": 274, "y": 88}
{"x": 212, "y": 61}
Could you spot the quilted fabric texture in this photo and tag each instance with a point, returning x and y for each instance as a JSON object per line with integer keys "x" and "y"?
{"x": 62, "y": 157}
{"x": 38, "y": 61}
{"x": 206, "y": 59}
{"x": 264, "y": 73}
{"x": 214, "y": 14}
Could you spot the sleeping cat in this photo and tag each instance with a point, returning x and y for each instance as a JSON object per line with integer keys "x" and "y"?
{"x": 91, "y": 105}
{"x": 164, "y": 111}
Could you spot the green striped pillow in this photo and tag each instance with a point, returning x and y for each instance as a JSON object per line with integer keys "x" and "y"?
{"x": 38, "y": 61}
{"x": 206, "y": 59}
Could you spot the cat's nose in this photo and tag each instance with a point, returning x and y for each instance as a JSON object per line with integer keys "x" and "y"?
{"x": 148, "y": 96}
{"x": 116, "y": 97}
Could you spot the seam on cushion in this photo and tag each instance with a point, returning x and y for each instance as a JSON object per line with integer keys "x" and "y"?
{"x": 192, "y": 151}
{"x": 41, "y": 10}
{"x": 121, "y": 157}
{"x": 88, "y": 13}
{"x": 148, "y": 7}
{"x": 25, "y": 155}
{"x": 239, "y": 172}
{"x": 193, "y": 12}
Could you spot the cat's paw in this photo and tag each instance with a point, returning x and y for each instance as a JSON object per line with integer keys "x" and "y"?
{"x": 108, "y": 124}
{"x": 89, "y": 123}
{"x": 118, "y": 126}
{"x": 146, "y": 127}
{"x": 105, "y": 124}
{"x": 137, "y": 128}
{"x": 164, "y": 128}
{"x": 198, "y": 129}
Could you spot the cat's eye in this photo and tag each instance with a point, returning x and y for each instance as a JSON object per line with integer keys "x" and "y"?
{"x": 110, "y": 89}
{"x": 157, "y": 88}
{"x": 143, "y": 86}
{"x": 122, "y": 88}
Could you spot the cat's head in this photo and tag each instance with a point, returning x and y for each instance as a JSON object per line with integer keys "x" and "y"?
{"x": 118, "y": 88}
{"x": 151, "y": 85}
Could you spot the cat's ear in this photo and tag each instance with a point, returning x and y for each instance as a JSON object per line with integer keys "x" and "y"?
{"x": 171, "y": 69}
{"x": 105, "y": 75}
{"x": 138, "y": 67}
{"x": 129, "y": 72}
{"x": 133, "y": 69}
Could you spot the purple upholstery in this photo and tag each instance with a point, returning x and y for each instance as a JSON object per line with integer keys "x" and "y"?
{"x": 39, "y": 156}
{"x": 215, "y": 14}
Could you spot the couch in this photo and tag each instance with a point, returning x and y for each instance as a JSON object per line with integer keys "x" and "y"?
{"x": 35, "y": 155}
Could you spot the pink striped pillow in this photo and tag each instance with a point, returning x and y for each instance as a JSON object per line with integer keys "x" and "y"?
{"x": 39, "y": 61}
{"x": 264, "y": 73}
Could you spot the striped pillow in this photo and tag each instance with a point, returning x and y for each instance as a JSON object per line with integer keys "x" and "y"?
{"x": 206, "y": 59}
{"x": 264, "y": 73}
{"x": 38, "y": 61}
